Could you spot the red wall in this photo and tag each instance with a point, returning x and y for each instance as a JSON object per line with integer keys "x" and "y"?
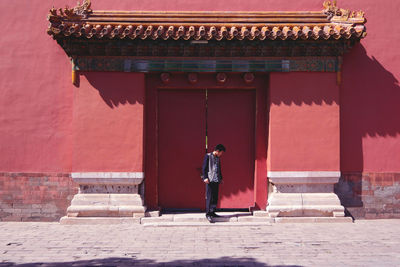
{"x": 303, "y": 122}
{"x": 35, "y": 92}
{"x": 37, "y": 112}
{"x": 47, "y": 124}
{"x": 108, "y": 122}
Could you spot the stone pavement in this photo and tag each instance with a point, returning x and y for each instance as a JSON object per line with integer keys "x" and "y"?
{"x": 363, "y": 243}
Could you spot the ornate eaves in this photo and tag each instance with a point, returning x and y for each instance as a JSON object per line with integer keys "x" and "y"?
{"x": 332, "y": 23}
{"x": 206, "y": 41}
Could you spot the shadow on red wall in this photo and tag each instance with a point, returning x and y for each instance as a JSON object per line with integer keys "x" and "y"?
{"x": 304, "y": 92}
{"x": 370, "y": 106}
{"x": 117, "y": 87}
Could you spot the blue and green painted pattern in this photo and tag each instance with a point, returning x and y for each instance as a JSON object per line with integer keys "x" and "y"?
{"x": 127, "y": 64}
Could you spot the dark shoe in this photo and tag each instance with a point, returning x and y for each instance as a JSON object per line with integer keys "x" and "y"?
{"x": 214, "y": 214}
{"x": 209, "y": 218}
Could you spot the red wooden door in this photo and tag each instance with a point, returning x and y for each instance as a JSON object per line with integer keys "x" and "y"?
{"x": 231, "y": 122}
{"x": 181, "y": 146}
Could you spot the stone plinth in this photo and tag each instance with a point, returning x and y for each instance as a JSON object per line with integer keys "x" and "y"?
{"x": 304, "y": 194}
{"x": 106, "y": 194}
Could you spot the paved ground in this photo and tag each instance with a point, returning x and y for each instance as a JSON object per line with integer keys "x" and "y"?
{"x": 363, "y": 243}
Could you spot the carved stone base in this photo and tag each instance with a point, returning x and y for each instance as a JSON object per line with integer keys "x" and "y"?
{"x": 304, "y": 194}
{"x": 114, "y": 205}
{"x": 106, "y": 195}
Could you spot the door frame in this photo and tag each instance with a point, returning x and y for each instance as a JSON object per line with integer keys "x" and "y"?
{"x": 184, "y": 81}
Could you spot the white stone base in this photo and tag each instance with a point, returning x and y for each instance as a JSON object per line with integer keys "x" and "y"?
{"x": 304, "y": 194}
{"x": 304, "y": 204}
{"x": 103, "y": 195}
{"x": 106, "y": 205}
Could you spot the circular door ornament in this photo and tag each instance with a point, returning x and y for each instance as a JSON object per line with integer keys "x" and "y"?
{"x": 221, "y": 77}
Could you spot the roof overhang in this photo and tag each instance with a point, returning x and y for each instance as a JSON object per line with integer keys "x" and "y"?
{"x": 166, "y": 40}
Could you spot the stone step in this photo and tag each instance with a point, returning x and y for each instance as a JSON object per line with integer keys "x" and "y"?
{"x": 99, "y": 220}
{"x": 199, "y": 219}
{"x": 106, "y": 211}
{"x": 167, "y": 222}
{"x": 313, "y": 220}
{"x": 197, "y": 224}
{"x": 226, "y": 217}
{"x": 107, "y": 199}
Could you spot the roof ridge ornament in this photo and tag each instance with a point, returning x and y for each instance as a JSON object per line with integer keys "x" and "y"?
{"x": 335, "y": 13}
{"x": 80, "y": 11}
{"x": 84, "y": 9}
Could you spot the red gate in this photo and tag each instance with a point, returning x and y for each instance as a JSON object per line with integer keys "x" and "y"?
{"x": 175, "y": 138}
{"x": 181, "y": 145}
{"x": 181, "y": 141}
{"x": 231, "y": 121}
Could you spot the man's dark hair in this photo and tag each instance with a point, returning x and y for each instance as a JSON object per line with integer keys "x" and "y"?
{"x": 220, "y": 147}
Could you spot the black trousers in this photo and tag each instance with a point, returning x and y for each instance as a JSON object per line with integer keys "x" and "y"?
{"x": 211, "y": 196}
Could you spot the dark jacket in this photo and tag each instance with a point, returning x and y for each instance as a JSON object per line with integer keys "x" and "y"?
{"x": 205, "y": 167}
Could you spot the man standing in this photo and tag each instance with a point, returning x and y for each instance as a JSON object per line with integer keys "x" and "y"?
{"x": 212, "y": 177}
